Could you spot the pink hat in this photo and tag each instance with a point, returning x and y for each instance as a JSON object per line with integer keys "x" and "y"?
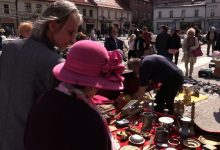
{"x": 90, "y": 64}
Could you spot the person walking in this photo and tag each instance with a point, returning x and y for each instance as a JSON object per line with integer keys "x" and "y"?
{"x": 174, "y": 43}
{"x": 140, "y": 45}
{"x": 131, "y": 51}
{"x": 161, "y": 42}
{"x": 217, "y": 45}
{"x": 113, "y": 42}
{"x": 26, "y": 68}
{"x": 147, "y": 36}
{"x": 189, "y": 44}
{"x": 211, "y": 39}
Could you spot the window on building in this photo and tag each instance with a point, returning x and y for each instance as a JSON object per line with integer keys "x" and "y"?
{"x": 6, "y": 8}
{"x": 159, "y": 14}
{"x": 148, "y": 15}
{"x": 135, "y": 13}
{"x": 171, "y": 14}
{"x": 196, "y": 13}
{"x": 38, "y": 8}
{"x": 102, "y": 12}
{"x": 84, "y": 12}
{"x": 28, "y": 7}
{"x": 90, "y": 13}
{"x": 212, "y": 13}
{"x": 109, "y": 14}
{"x": 183, "y": 13}
{"x": 116, "y": 14}
{"x": 213, "y": 1}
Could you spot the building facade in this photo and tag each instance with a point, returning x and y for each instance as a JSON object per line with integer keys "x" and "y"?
{"x": 212, "y": 14}
{"x": 180, "y": 15}
{"x": 142, "y": 12}
{"x": 156, "y": 2}
{"x": 97, "y": 14}
{"x": 8, "y": 19}
{"x": 112, "y": 13}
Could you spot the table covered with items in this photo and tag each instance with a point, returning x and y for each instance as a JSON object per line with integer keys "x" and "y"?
{"x": 136, "y": 126}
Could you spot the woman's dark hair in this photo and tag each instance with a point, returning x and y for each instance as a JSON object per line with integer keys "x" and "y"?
{"x": 164, "y": 27}
{"x": 110, "y": 29}
{"x": 175, "y": 32}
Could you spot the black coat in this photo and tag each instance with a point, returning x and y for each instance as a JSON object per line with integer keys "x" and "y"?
{"x": 217, "y": 45}
{"x": 111, "y": 45}
{"x": 141, "y": 44}
{"x": 215, "y": 36}
{"x": 174, "y": 42}
{"x": 63, "y": 122}
{"x": 162, "y": 41}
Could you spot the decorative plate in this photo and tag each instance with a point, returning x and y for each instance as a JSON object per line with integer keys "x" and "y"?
{"x": 164, "y": 145}
{"x": 166, "y": 120}
{"x": 191, "y": 143}
{"x": 209, "y": 140}
{"x": 129, "y": 147}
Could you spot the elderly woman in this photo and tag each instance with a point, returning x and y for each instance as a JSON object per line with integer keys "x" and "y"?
{"x": 25, "y": 29}
{"x": 65, "y": 118}
{"x": 189, "y": 44}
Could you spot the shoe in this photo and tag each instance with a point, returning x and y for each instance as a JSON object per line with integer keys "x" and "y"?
{"x": 190, "y": 77}
{"x": 186, "y": 74}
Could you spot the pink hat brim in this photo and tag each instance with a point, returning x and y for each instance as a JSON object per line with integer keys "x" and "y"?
{"x": 62, "y": 74}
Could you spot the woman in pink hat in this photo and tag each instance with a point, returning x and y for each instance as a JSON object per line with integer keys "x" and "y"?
{"x": 66, "y": 118}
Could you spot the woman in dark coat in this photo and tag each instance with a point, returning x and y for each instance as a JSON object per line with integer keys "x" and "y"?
{"x": 66, "y": 118}
{"x": 174, "y": 43}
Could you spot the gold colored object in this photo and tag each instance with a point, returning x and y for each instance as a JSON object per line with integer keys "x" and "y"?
{"x": 179, "y": 107}
{"x": 129, "y": 147}
{"x": 137, "y": 131}
{"x": 191, "y": 143}
{"x": 209, "y": 140}
{"x": 187, "y": 90}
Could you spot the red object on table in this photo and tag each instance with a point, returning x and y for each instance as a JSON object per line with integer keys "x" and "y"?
{"x": 173, "y": 134}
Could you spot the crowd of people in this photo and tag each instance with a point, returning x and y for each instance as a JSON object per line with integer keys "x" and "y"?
{"x": 46, "y": 99}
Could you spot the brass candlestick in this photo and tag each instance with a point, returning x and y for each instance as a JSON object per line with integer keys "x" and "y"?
{"x": 187, "y": 89}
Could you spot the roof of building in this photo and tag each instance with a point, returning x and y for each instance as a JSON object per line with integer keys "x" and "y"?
{"x": 82, "y": 2}
{"x": 108, "y": 3}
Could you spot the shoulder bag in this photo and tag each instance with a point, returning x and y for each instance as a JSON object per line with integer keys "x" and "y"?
{"x": 197, "y": 52}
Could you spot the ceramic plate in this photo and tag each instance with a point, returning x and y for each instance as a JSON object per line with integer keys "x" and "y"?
{"x": 166, "y": 120}
{"x": 209, "y": 140}
{"x": 136, "y": 139}
{"x": 162, "y": 145}
{"x": 191, "y": 143}
{"x": 130, "y": 147}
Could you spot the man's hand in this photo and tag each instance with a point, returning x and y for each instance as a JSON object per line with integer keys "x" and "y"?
{"x": 140, "y": 93}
